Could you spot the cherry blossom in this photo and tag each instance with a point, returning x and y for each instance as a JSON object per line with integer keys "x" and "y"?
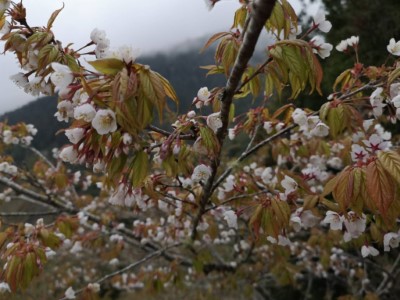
{"x": 201, "y": 173}
{"x": 104, "y": 121}
{"x": 85, "y": 112}
{"x": 391, "y": 240}
{"x": 214, "y": 121}
{"x": 62, "y": 76}
{"x": 69, "y": 154}
{"x": 320, "y": 47}
{"x": 65, "y": 111}
{"x": 394, "y": 47}
{"x": 74, "y": 135}
{"x": 369, "y": 250}
{"x": 334, "y": 220}
{"x": 70, "y": 293}
{"x": 231, "y": 218}
{"x": 321, "y": 22}
{"x": 289, "y": 184}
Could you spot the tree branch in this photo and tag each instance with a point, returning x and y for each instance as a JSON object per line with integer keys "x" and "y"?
{"x": 259, "y": 14}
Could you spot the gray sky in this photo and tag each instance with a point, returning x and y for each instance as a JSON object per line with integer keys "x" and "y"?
{"x": 150, "y": 25}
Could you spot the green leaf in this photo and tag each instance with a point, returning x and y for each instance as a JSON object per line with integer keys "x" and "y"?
{"x": 139, "y": 168}
{"x": 107, "y": 66}
{"x": 390, "y": 161}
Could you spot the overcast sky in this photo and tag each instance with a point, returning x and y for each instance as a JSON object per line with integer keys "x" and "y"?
{"x": 150, "y": 25}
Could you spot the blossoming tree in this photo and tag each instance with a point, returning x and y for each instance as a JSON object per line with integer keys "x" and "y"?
{"x": 324, "y": 207}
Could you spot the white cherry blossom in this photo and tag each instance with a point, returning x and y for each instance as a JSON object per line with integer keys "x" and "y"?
{"x": 231, "y": 218}
{"x": 369, "y": 250}
{"x": 214, "y": 121}
{"x": 62, "y": 76}
{"x": 289, "y": 184}
{"x": 69, "y": 154}
{"x": 70, "y": 293}
{"x": 85, "y": 112}
{"x": 321, "y": 22}
{"x": 334, "y": 220}
{"x": 65, "y": 111}
{"x": 203, "y": 94}
{"x": 104, "y": 121}
{"x": 320, "y": 47}
{"x": 394, "y": 47}
{"x": 391, "y": 240}
{"x": 201, "y": 173}
{"x": 74, "y": 135}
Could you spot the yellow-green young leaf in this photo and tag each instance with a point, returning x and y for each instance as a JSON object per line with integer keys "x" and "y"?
{"x": 53, "y": 17}
{"x": 47, "y": 55}
{"x": 343, "y": 78}
{"x": 30, "y": 269}
{"x": 381, "y": 186}
{"x": 336, "y": 120}
{"x": 240, "y": 17}
{"x": 357, "y": 202}
{"x": 170, "y": 165}
{"x": 294, "y": 61}
{"x": 168, "y": 89}
{"x": 310, "y": 201}
{"x": 209, "y": 139}
{"x": 331, "y": 185}
{"x": 390, "y": 161}
{"x": 229, "y": 55}
{"x": 277, "y": 18}
{"x": 139, "y": 168}
{"x": 107, "y": 66}
{"x": 13, "y": 273}
{"x": 71, "y": 63}
{"x": 281, "y": 212}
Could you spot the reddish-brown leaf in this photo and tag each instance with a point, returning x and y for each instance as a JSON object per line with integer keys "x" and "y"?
{"x": 380, "y": 186}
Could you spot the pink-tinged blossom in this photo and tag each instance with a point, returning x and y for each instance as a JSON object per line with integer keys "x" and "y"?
{"x": 375, "y": 143}
{"x": 321, "y": 22}
{"x": 214, "y": 121}
{"x": 391, "y": 240}
{"x": 320, "y": 47}
{"x": 334, "y": 220}
{"x": 231, "y": 218}
{"x": 394, "y": 47}
{"x": 62, "y": 76}
{"x": 85, "y": 112}
{"x": 201, "y": 173}
{"x": 376, "y": 99}
{"x": 74, "y": 135}
{"x": 65, "y": 111}
{"x": 369, "y": 250}
{"x": 289, "y": 184}
{"x": 70, "y": 293}
{"x": 104, "y": 121}
{"x": 358, "y": 153}
{"x": 69, "y": 154}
